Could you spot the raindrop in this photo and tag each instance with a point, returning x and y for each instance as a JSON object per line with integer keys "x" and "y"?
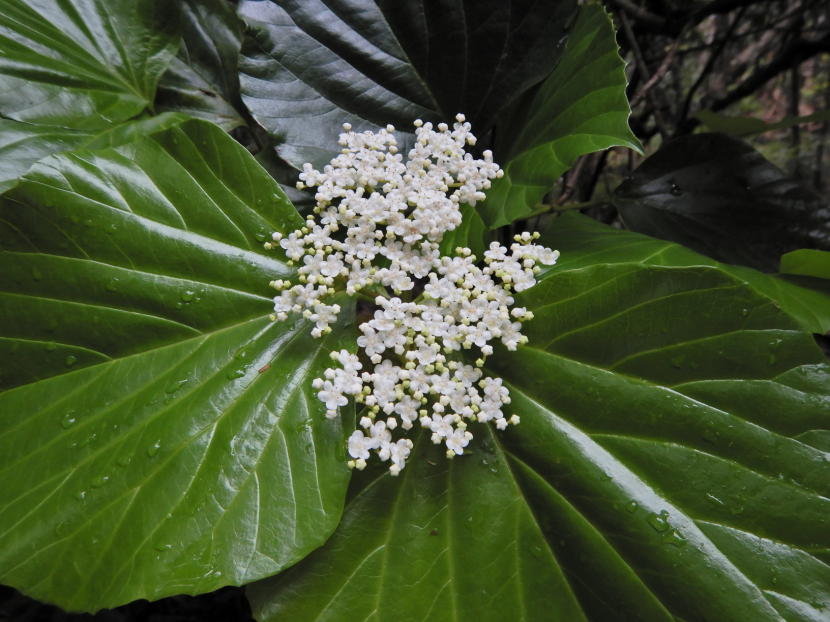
{"x": 112, "y": 285}
{"x": 676, "y": 190}
{"x": 100, "y": 481}
{"x": 153, "y": 449}
{"x": 745, "y": 312}
{"x": 677, "y": 361}
{"x": 81, "y": 495}
{"x": 674, "y": 538}
{"x": 124, "y": 460}
{"x": 179, "y": 305}
{"x": 88, "y": 440}
{"x": 68, "y": 420}
{"x": 260, "y": 237}
{"x": 237, "y": 373}
{"x": 659, "y": 522}
{"x": 112, "y": 228}
{"x": 176, "y": 386}
{"x": 188, "y": 295}
{"x": 70, "y": 360}
{"x": 631, "y": 507}
{"x": 51, "y": 346}
{"x": 37, "y": 274}
{"x": 161, "y": 548}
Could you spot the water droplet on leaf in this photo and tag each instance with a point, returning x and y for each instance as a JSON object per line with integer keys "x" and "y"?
{"x": 70, "y": 360}
{"x": 68, "y": 420}
{"x": 153, "y": 449}
{"x": 659, "y": 522}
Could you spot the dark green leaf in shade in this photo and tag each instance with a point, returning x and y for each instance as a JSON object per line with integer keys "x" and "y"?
{"x": 669, "y": 465}
{"x": 807, "y": 262}
{"x": 308, "y": 66}
{"x": 718, "y": 196}
{"x": 580, "y": 108}
{"x": 748, "y": 126}
{"x": 83, "y": 64}
{"x": 584, "y": 242}
{"x": 203, "y": 79}
{"x": 158, "y": 434}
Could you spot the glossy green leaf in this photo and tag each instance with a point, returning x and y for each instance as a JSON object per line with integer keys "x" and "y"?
{"x": 83, "y": 64}
{"x": 309, "y": 66}
{"x": 579, "y": 109}
{"x": 470, "y": 233}
{"x": 584, "y": 242}
{"x": 719, "y": 196}
{"x": 203, "y": 79}
{"x": 807, "y": 262}
{"x": 668, "y": 465}
{"x": 158, "y": 435}
{"x": 23, "y": 144}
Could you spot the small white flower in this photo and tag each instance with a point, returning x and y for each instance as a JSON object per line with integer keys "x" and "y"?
{"x": 377, "y": 227}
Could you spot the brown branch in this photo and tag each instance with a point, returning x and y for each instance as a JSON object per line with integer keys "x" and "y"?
{"x": 644, "y": 72}
{"x": 657, "y": 75}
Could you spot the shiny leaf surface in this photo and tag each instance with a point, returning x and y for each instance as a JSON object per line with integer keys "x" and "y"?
{"x": 309, "y": 66}
{"x": 158, "y": 434}
{"x": 580, "y": 108}
{"x": 203, "y": 79}
{"x": 670, "y": 464}
{"x": 23, "y": 144}
{"x": 83, "y": 64}
{"x": 719, "y": 196}
{"x": 584, "y": 242}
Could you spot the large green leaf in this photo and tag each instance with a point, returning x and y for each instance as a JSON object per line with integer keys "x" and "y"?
{"x": 83, "y": 64}
{"x": 579, "y": 109}
{"x": 161, "y": 435}
{"x": 309, "y": 66}
{"x": 23, "y": 144}
{"x": 203, "y": 79}
{"x": 671, "y": 463}
{"x": 584, "y": 242}
{"x": 719, "y": 196}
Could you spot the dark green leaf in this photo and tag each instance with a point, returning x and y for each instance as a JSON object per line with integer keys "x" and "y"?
{"x": 203, "y": 80}
{"x": 579, "y": 109}
{"x": 747, "y": 126}
{"x": 666, "y": 467}
{"x": 807, "y": 262}
{"x": 83, "y": 64}
{"x": 162, "y": 436}
{"x": 309, "y": 66}
{"x": 718, "y": 196}
{"x": 584, "y": 242}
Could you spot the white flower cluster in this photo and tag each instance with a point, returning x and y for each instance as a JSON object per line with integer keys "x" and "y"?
{"x": 375, "y": 231}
